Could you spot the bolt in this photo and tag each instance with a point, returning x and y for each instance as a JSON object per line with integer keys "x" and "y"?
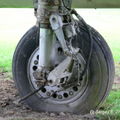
{"x": 79, "y": 84}
{"x": 59, "y": 96}
{"x": 48, "y": 94}
{"x": 35, "y": 62}
{"x": 70, "y": 93}
{"x": 52, "y": 91}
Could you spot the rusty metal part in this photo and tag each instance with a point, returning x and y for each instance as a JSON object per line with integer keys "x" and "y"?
{"x": 45, "y": 9}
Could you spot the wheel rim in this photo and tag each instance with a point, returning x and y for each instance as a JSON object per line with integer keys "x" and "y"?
{"x": 65, "y": 96}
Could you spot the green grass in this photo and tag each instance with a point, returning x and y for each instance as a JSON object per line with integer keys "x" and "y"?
{"x": 81, "y": 4}
{"x": 16, "y": 3}
{"x": 96, "y": 3}
{"x": 6, "y": 53}
{"x": 110, "y": 110}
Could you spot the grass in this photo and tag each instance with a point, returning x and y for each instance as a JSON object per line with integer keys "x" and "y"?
{"x": 16, "y": 3}
{"x": 81, "y": 4}
{"x": 110, "y": 110}
{"x": 6, "y": 57}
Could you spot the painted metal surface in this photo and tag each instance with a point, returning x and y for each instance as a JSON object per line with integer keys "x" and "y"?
{"x": 47, "y": 39}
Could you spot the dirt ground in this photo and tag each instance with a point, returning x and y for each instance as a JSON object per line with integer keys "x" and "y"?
{"x": 12, "y": 111}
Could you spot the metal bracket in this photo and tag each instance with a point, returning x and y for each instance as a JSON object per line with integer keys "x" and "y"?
{"x": 57, "y": 27}
{"x": 60, "y": 72}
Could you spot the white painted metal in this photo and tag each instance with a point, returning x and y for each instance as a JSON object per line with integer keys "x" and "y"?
{"x": 46, "y": 45}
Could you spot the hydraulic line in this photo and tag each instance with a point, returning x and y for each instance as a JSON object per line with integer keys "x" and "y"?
{"x": 73, "y": 11}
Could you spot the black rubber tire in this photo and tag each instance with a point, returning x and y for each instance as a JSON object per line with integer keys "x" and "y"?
{"x": 100, "y": 80}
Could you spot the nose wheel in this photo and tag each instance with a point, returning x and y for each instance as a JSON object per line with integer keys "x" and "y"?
{"x": 73, "y": 98}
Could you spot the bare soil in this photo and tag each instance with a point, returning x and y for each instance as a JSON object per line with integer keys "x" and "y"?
{"x": 10, "y": 110}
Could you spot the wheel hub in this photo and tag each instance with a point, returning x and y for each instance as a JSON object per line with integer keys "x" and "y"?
{"x": 57, "y": 93}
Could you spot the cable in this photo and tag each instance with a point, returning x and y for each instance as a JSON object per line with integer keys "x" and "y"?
{"x": 30, "y": 94}
{"x": 73, "y": 11}
{"x": 65, "y": 5}
{"x": 91, "y": 42}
